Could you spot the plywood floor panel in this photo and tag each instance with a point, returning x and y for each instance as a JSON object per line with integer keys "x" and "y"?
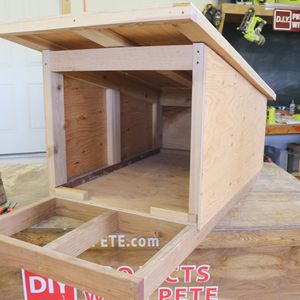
{"x": 161, "y": 181}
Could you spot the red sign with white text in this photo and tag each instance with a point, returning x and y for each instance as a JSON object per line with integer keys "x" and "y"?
{"x": 286, "y": 20}
{"x": 37, "y": 287}
{"x": 187, "y": 282}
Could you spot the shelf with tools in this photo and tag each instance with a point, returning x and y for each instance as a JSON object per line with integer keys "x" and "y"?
{"x": 234, "y": 13}
{"x": 282, "y": 129}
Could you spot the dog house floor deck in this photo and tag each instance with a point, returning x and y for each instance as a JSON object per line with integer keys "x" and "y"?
{"x": 160, "y": 181}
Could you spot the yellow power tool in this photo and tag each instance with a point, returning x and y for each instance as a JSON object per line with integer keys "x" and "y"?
{"x": 252, "y": 26}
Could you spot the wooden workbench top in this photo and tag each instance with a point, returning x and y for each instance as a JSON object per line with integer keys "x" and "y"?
{"x": 254, "y": 249}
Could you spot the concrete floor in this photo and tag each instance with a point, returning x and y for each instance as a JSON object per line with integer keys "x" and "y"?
{"x": 24, "y": 183}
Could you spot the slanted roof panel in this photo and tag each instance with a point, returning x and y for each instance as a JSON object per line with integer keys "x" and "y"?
{"x": 157, "y": 26}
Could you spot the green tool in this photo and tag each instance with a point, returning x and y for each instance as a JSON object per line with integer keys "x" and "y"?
{"x": 252, "y": 26}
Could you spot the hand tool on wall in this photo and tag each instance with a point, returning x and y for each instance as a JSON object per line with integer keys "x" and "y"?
{"x": 212, "y": 14}
{"x": 252, "y": 26}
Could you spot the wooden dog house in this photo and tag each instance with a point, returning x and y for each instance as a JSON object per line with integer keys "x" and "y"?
{"x": 154, "y": 123}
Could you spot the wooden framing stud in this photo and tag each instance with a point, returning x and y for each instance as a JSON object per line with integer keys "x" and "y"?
{"x": 113, "y": 121}
{"x": 197, "y": 127}
{"x": 105, "y": 37}
{"x": 55, "y": 124}
{"x": 27, "y": 216}
{"x": 85, "y": 236}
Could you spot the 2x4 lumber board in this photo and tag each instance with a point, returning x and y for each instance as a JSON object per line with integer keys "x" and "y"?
{"x": 71, "y": 193}
{"x": 105, "y": 38}
{"x": 26, "y": 217}
{"x": 175, "y": 216}
{"x": 198, "y": 102}
{"x": 182, "y": 79}
{"x": 108, "y": 38}
{"x": 146, "y": 58}
{"x": 120, "y": 82}
{"x": 113, "y": 121}
{"x": 78, "y": 273}
{"x": 55, "y": 124}
{"x": 201, "y": 30}
{"x": 85, "y": 236}
{"x": 34, "y": 42}
{"x": 164, "y": 262}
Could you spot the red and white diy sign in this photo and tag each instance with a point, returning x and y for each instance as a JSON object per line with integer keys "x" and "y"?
{"x": 37, "y": 287}
{"x": 286, "y": 20}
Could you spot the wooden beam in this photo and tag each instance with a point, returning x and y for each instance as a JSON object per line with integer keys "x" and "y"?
{"x": 78, "y": 273}
{"x": 148, "y": 58}
{"x": 85, "y": 236}
{"x": 163, "y": 263}
{"x": 105, "y": 38}
{"x": 71, "y": 193}
{"x": 181, "y": 78}
{"x": 35, "y": 42}
{"x": 55, "y": 124}
{"x": 120, "y": 82}
{"x": 24, "y": 218}
{"x": 113, "y": 121}
{"x": 199, "y": 67}
{"x": 175, "y": 216}
{"x": 109, "y": 39}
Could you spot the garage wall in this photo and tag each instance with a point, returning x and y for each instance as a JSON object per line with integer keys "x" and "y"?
{"x": 21, "y": 89}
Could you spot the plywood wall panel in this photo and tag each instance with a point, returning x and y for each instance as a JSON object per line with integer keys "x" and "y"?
{"x": 85, "y": 121}
{"x": 176, "y": 127}
{"x": 234, "y": 128}
{"x": 136, "y": 126}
